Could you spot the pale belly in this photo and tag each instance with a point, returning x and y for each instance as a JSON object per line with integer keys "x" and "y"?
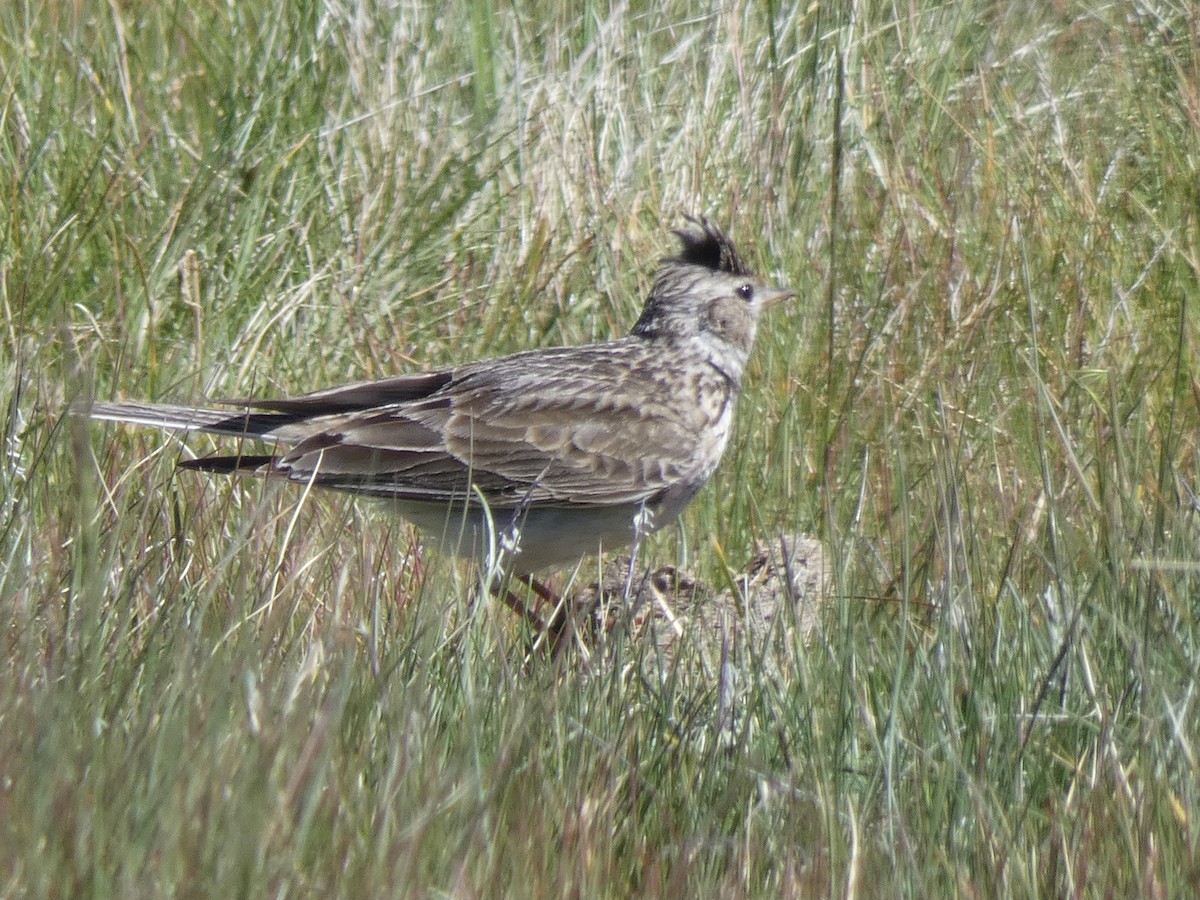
{"x": 534, "y": 539}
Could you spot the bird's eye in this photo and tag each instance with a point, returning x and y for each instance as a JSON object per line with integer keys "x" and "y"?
{"x": 746, "y": 291}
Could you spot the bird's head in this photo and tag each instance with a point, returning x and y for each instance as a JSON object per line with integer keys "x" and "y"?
{"x": 708, "y": 294}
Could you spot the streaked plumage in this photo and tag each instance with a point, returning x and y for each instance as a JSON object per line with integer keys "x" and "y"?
{"x": 552, "y": 453}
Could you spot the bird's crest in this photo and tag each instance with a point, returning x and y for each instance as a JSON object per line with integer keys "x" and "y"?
{"x": 704, "y": 244}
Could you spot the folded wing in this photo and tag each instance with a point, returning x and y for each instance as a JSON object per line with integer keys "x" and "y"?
{"x": 543, "y": 427}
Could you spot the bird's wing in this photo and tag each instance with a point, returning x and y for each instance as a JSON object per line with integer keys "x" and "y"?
{"x": 573, "y": 426}
{"x": 351, "y": 397}
{"x": 543, "y": 427}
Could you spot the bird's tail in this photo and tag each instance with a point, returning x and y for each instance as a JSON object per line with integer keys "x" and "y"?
{"x": 262, "y": 425}
{"x": 250, "y": 464}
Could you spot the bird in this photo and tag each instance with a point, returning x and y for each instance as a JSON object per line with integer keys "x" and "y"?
{"x": 536, "y": 459}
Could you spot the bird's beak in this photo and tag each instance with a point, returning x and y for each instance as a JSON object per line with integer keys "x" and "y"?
{"x": 772, "y": 296}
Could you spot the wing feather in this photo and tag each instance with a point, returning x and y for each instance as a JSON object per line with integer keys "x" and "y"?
{"x": 518, "y": 431}
{"x": 586, "y": 426}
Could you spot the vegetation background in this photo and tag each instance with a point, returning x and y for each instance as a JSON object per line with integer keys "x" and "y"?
{"x": 985, "y": 401}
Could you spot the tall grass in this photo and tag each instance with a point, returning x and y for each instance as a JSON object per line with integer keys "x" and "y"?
{"x": 985, "y": 402}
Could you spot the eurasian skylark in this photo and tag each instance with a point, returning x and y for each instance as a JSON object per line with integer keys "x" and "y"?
{"x": 544, "y": 456}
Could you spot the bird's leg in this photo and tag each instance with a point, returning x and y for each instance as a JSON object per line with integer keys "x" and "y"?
{"x": 553, "y": 628}
{"x": 544, "y": 593}
{"x": 556, "y": 627}
{"x": 513, "y": 602}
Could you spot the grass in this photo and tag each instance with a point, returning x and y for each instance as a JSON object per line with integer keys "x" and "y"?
{"x": 986, "y": 403}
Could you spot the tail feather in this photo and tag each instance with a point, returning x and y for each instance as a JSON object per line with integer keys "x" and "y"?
{"x": 281, "y": 420}
{"x": 265, "y": 425}
{"x": 258, "y": 464}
